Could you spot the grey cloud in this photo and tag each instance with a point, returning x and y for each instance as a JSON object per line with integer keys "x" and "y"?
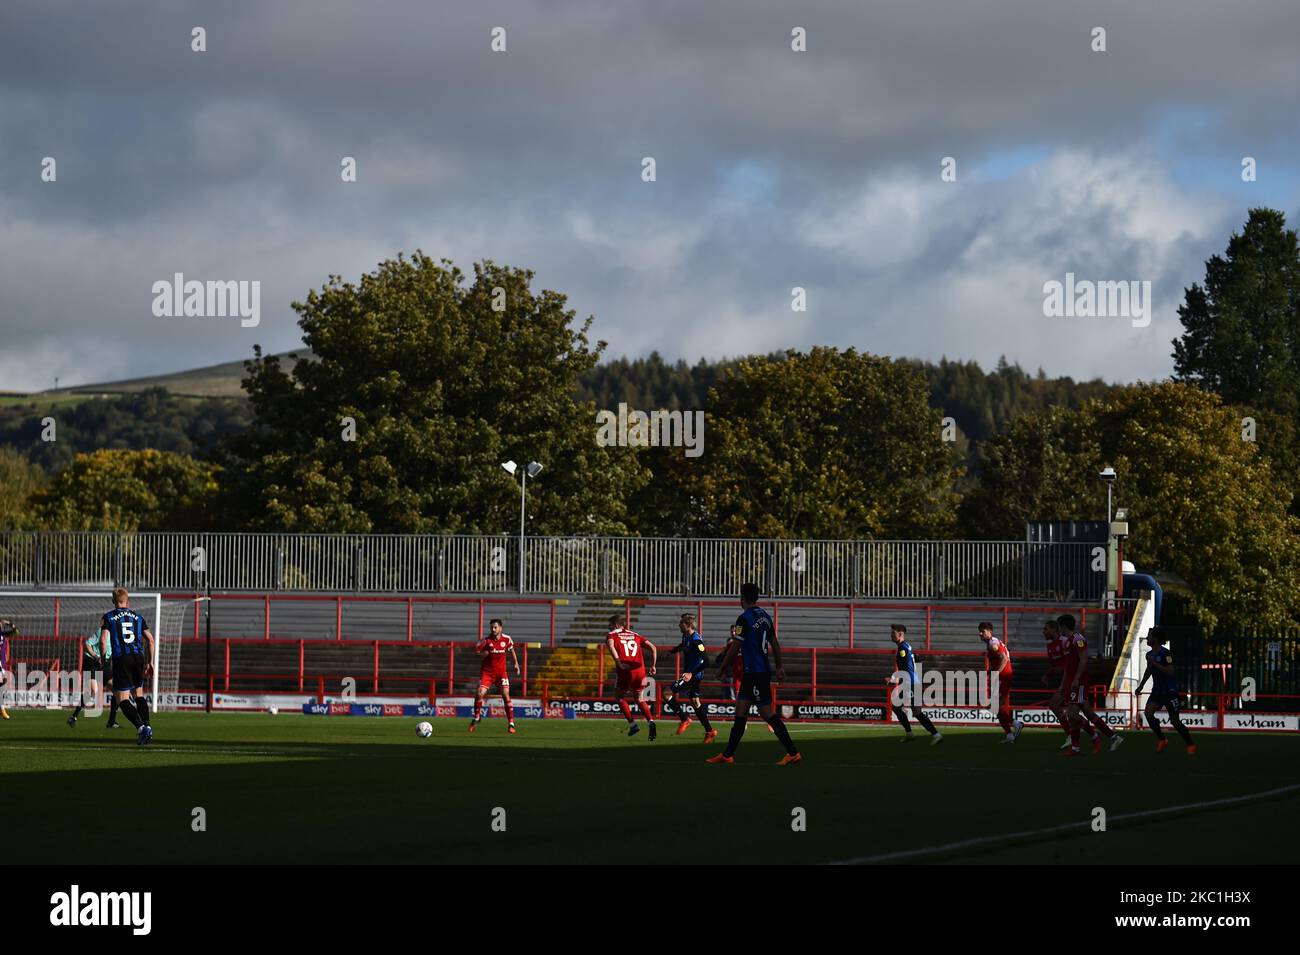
{"x": 775, "y": 169}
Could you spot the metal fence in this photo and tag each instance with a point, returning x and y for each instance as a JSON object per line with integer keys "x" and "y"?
{"x": 1252, "y": 667}
{"x": 395, "y": 563}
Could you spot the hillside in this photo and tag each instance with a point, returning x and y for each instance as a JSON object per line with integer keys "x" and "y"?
{"x": 210, "y": 381}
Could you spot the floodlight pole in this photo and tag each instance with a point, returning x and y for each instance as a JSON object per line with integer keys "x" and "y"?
{"x": 523, "y": 496}
{"x": 207, "y": 632}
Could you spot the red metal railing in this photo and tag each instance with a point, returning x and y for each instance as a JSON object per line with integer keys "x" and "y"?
{"x": 340, "y": 601}
{"x": 834, "y": 608}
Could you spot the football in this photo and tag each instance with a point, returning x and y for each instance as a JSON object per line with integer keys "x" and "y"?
{"x": 424, "y": 729}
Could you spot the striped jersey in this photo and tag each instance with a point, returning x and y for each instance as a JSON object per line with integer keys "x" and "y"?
{"x": 692, "y": 651}
{"x": 905, "y": 660}
{"x": 125, "y": 631}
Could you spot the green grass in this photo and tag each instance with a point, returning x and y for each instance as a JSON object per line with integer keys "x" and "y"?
{"x": 335, "y": 790}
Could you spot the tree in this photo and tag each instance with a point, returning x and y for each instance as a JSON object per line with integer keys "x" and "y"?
{"x": 1241, "y": 333}
{"x": 1203, "y": 503}
{"x": 830, "y": 443}
{"x": 20, "y": 479}
{"x": 418, "y": 387}
{"x": 114, "y": 490}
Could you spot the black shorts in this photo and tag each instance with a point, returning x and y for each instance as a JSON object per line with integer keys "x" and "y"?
{"x": 755, "y": 688}
{"x": 688, "y": 686}
{"x": 1169, "y": 701}
{"x": 90, "y": 666}
{"x": 128, "y": 671}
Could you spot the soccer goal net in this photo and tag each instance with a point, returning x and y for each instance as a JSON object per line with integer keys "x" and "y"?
{"x": 47, "y": 632}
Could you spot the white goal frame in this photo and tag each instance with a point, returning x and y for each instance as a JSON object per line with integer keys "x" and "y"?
{"x": 155, "y": 599}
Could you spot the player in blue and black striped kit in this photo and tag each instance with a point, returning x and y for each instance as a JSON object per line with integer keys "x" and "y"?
{"x": 751, "y": 637}
{"x": 1164, "y": 692}
{"x": 904, "y": 681}
{"x": 127, "y": 634}
{"x": 688, "y": 684}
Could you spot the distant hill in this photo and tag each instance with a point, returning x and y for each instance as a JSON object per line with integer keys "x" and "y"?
{"x": 211, "y": 381}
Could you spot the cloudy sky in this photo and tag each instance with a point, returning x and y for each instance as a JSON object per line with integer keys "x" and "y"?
{"x": 775, "y": 168}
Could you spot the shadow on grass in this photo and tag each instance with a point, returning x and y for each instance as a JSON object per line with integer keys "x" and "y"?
{"x": 350, "y": 802}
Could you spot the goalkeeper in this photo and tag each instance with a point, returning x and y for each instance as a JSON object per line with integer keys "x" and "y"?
{"x": 96, "y": 660}
{"x": 7, "y": 630}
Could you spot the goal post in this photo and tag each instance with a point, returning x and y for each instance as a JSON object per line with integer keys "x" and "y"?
{"x": 53, "y": 626}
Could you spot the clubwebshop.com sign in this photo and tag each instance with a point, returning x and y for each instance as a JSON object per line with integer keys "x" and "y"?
{"x": 835, "y": 712}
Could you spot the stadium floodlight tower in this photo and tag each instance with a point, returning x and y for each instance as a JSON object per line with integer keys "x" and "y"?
{"x": 532, "y": 470}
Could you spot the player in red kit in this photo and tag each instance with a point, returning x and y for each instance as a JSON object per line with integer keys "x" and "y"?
{"x": 999, "y": 657}
{"x": 493, "y": 648}
{"x": 627, "y": 648}
{"x": 1075, "y": 683}
{"x": 1055, "y": 663}
{"x": 1072, "y": 687}
{"x": 1059, "y": 646}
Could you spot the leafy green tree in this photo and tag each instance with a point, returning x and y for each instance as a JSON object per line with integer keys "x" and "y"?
{"x": 444, "y": 380}
{"x": 20, "y": 480}
{"x": 113, "y": 490}
{"x": 828, "y": 443}
{"x": 1204, "y": 504}
{"x": 1241, "y": 334}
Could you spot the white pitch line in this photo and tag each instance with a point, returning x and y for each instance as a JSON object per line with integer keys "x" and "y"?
{"x": 1066, "y": 827}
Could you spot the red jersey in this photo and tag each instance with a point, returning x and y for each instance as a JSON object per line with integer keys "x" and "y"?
{"x": 1055, "y": 653}
{"x": 627, "y": 647}
{"x": 494, "y": 650}
{"x": 995, "y": 648}
{"x": 1069, "y": 651}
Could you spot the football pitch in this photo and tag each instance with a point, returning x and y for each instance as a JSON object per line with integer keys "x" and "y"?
{"x": 299, "y": 789}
